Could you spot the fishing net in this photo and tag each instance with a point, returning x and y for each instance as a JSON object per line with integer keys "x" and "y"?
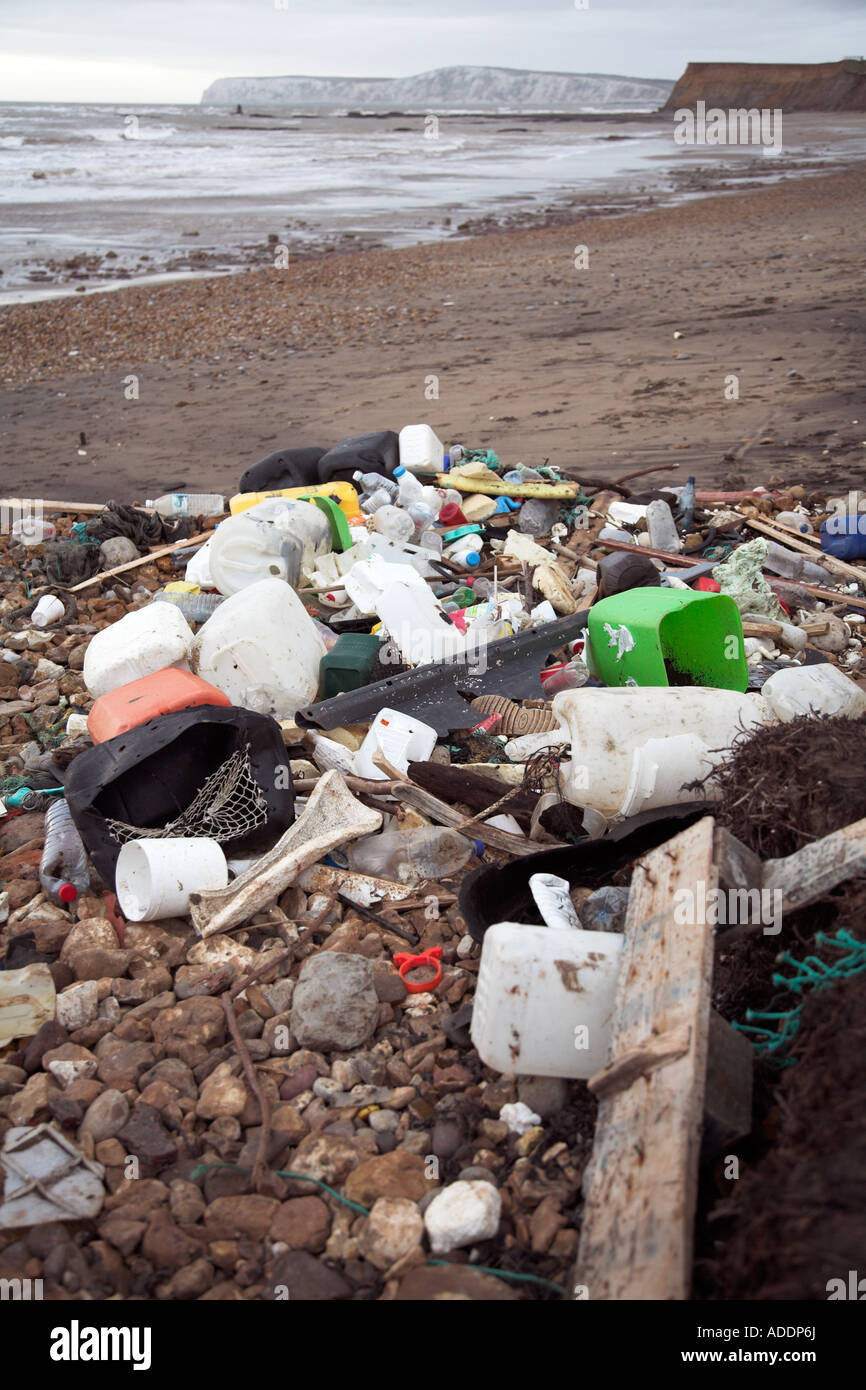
{"x": 230, "y": 803}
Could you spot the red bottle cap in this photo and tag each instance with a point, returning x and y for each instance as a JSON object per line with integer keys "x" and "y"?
{"x": 67, "y": 892}
{"x": 451, "y": 515}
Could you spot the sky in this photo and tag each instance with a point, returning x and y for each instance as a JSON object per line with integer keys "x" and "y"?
{"x": 170, "y": 50}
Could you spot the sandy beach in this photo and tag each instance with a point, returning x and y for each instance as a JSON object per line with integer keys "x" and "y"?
{"x": 723, "y": 335}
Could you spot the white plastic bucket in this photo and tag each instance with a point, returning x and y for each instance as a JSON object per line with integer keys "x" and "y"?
{"x": 261, "y": 648}
{"x": 145, "y": 641}
{"x": 154, "y": 878}
{"x": 536, "y": 987}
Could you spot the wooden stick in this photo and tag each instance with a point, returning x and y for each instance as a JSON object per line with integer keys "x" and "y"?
{"x": 143, "y": 560}
{"x": 846, "y": 600}
{"x": 92, "y": 508}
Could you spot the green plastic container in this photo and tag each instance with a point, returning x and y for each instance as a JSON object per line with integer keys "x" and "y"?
{"x": 348, "y": 665}
{"x": 667, "y": 637}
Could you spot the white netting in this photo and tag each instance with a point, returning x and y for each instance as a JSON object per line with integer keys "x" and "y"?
{"x": 230, "y": 803}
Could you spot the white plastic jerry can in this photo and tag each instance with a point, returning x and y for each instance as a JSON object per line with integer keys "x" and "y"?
{"x": 142, "y": 642}
{"x": 421, "y": 451}
{"x": 544, "y": 1002}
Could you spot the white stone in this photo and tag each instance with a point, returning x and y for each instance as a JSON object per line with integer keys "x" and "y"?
{"x": 463, "y": 1213}
{"x": 78, "y": 1005}
{"x": 393, "y": 1228}
{"x": 519, "y": 1118}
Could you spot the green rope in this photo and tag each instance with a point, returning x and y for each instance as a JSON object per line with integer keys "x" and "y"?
{"x": 365, "y": 1211}
{"x": 485, "y": 456}
{"x": 812, "y": 973}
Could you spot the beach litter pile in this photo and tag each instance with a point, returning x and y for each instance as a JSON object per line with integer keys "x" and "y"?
{"x": 338, "y": 821}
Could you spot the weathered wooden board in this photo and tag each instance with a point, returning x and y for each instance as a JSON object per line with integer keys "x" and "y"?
{"x": 637, "y": 1234}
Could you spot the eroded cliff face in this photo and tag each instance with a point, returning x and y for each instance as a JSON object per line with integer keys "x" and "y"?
{"x": 791, "y": 86}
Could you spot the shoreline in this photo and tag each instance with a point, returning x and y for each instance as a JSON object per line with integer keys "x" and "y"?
{"x": 231, "y": 368}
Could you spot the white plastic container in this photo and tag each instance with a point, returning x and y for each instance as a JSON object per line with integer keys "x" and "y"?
{"x": 31, "y": 529}
{"x": 47, "y": 611}
{"x": 662, "y": 528}
{"x": 198, "y": 569}
{"x": 634, "y": 748}
{"x": 276, "y": 539}
{"x": 465, "y": 552}
{"x": 261, "y": 648}
{"x": 813, "y": 690}
{"x": 417, "y": 624}
{"x": 544, "y": 1001}
{"x": 146, "y": 640}
{"x": 401, "y": 738}
{"x": 154, "y": 877}
{"x": 421, "y": 451}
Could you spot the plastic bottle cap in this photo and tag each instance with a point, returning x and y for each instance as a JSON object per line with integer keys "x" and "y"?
{"x": 399, "y": 471}
{"x": 67, "y": 892}
{"x": 479, "y": 848}
{"x": 472, "y": 557}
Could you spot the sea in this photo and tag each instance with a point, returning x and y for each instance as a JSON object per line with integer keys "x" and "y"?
{"x": 93, "y": 197}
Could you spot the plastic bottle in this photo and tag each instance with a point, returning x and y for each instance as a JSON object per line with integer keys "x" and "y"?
{"x": 792, "y": 566}
{"x": 522, "y": 474}
{"x": 189, "y": 504}
{"x": 795, "y": 521}
{"x": 822, "y": 689}
{"x": 196, "y": 608}
{"x": 371, "y": 502}
{"x": 662, "y": 528}
{"x": 432, "y": 541}
{"x": 375, "y": 482}
{"x": 466, "y": 552}
{"x": 409, "y": 488}
{"x": 410, "y": 856}
{"x": 31, "y": 530}
{"x": 394, "y": 522}
{"x": 63, "y": 869}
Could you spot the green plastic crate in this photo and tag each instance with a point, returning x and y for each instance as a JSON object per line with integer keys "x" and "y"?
{"x": 667, "y": 637}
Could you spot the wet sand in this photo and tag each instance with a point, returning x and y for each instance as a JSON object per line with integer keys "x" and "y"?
{"x": 185, "y": 385}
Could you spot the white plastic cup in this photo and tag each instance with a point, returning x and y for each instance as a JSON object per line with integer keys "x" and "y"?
{"x": 47, "y": 611}
{"x": 154, "y": 878}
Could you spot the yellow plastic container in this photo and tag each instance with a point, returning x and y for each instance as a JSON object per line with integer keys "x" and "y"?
{"x": 346, "y": 495}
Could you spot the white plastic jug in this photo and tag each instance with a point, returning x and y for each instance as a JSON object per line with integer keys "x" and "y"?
{"x": 401, "y": 738}
{"x": 144, "y": 641}
{"x": 422, "y": 631}
{"x": 544, "y": 1001}
{"x": 421, "y": 451}
{"x": 277, "y": 538}
{"x": 262, "y": 649}
{"x": 820, "y": 689}
{"x": 634, "y": 748}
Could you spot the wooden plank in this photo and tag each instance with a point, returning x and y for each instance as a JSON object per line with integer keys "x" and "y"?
{"x": 143, "y": 560}
{"x": 803, "y": 877}
{"x": 728, "y": 1097}
{"x": 637, "y": 1235}
{"x": 88, "y": 508}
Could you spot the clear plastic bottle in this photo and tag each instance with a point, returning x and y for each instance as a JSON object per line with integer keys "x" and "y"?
{"x": 63, "y": 869}
{"x": 375, "y": 482}
{"x": 189, "y": 504}
{"x": 410, "y": 856}
{"x": 522, "y": 474}
{"x": 196, "y": 608}
{"x": 792, "y": 566}
{"x": 371, "y": 502}
{"x": 432, "y": 541}
{"x": 394, "y": 523}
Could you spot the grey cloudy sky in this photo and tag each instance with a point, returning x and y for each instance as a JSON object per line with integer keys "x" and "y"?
{"x": 169, "y": 50}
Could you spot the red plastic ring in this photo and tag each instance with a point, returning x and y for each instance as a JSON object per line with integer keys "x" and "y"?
{"x": 406, "y": 962}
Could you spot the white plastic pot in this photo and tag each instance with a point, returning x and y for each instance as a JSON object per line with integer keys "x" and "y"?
{"x": 544, "y": 1002}
{"x": 633, "y": 748}
{"x": 154, "y": 878}
{"x": 145, "y": 641}
{"x": 47, "y": 611}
